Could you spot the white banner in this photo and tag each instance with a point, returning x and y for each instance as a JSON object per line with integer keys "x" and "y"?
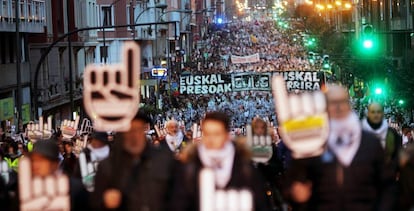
{"x": 245, "y": 59}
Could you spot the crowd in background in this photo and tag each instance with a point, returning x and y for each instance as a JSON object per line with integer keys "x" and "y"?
{"x": 278, "y": 50}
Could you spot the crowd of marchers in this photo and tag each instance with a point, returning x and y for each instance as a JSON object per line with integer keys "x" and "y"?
{"x": 278, "y": 49}
{"x": 365, "y": 166}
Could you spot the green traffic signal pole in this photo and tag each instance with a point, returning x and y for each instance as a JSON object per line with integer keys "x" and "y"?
{"x": 35, "y": 92}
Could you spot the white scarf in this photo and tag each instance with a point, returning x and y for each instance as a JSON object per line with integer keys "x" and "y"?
{"x": 349, "y": 131}
{"x": 98, "y": 154}
{"x": 174, "y": 141}
{"x": 381, "y": 132}
{"x": 224, "y": 156}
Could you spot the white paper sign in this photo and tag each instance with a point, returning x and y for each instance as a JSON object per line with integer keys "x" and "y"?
{"x": 111, "y": 92}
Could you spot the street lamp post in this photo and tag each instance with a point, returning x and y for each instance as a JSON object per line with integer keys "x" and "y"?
{"x": 18, "y": 60}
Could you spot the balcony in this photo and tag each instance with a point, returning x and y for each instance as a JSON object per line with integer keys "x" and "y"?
{"x": 26, "y": 26}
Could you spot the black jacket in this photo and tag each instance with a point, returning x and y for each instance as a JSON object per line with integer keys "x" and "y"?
{"x": 144, "y": 184}
{"x": 367, "y": 184}
{"x": 244, "y": 175}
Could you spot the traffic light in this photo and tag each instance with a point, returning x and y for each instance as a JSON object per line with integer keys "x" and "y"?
{"x": 311, "y": 56}
{"x": 367, "y": 36}
{"x": 378, "y": 91}
{"x": 368, "y": 43}
{"x": 219, "y": 20}
{"x": 401, "y": 102}
{"x": 325, "y": 63}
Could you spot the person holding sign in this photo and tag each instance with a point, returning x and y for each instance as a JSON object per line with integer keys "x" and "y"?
{"x": 174, "y": 139}
{"x": 97, "y": 150}
{"x": 230, "y": 164}
{"x": 43, "y": 187}
{"x": 136, "y": 175}
{"x": 350, "y": 174}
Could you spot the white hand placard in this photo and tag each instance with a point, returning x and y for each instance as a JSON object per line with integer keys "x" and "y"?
{"x": 261, "y": 146}
{"x": 69, "y": 128}
{"x": 40, "y": 130}
{"x": 303, "y": 120}
{"x": 4, "y": 171}
{"x": 88, "y": 171}
{"x": 40, "y": 194}
{"x": 111, "y": 92}
{"x": 80, "y": 144}
{"x": 161, "y": 132}
{"x": 86, "y": 127}
{"x": 218, "y": 200}
{"x": 196, "y": 132}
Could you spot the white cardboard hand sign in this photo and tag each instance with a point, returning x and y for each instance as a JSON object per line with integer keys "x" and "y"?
{"x": 41, "y": 194}
{"x": 69, "y": 128}
{"x": 4, "y": 171}
{"x": 40, "y": 130}
{"x": 111, "y": 92}
{"x": 86, "y": 127}
{"x": 217, "y": 200}
{"x": 196, "y": 132}
{"x": 261, "y": 146}
{"x": 80, "y": 144}
{"x": 88, "y": 170}
{"x": 303, "y": 120}
{"x": 160, "y": 130}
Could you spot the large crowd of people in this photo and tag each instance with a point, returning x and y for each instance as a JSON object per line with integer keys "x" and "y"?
{"x": 364, "y": 166}
{"x": 278, "y": 50}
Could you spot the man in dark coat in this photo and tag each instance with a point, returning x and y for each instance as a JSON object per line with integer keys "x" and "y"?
{"x": 135, "y": 176}
{"x": 351, "y": 175}
{"x": 231, "y": 163}
{"x": 390, "y": 140}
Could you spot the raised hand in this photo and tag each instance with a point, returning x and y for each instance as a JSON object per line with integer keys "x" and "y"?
{"x": 261, "y": 146}
{"x": 40, "y": 130}
{"x": 303, "y": 120}
{"x": 111, "y": 92}
{"x": 69, "y": 128}
{"x": 230, "y": 200}
{"x": 39, "y": 194}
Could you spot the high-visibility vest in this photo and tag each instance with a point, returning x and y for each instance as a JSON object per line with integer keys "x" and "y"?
{"x": 13, "y": 164}
{"x": 29, "y": 146}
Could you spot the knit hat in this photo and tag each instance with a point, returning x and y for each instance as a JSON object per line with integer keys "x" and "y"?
{"x": 46, "y": 148}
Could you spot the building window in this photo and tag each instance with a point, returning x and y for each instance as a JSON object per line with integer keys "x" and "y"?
{"x": 104, "y": 53}
{"x": 107, "y": 16}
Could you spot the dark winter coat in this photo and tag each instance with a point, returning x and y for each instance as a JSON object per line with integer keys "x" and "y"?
{"x": 366, "y": 185}
{"x": 145, "y": 184}
{"x": 244, "y": 175}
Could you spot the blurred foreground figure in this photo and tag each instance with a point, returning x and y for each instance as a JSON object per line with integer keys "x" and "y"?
{"x": 351, "y": 175}
{"x": 406, "y": 182}
{"x": 45, "y": 162}
{"x": 135, "y": 176}
{"x": 230, "y": 162}
{"x": 389, "y": 138}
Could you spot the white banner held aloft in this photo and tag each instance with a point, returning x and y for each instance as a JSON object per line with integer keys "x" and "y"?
{"x": 245, "y": 59}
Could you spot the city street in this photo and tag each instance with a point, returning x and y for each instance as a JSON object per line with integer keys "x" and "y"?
{"x": 186, "y": 105}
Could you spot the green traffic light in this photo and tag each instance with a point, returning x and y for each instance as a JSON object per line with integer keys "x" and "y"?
{"x": 401, "y": 102}
{"x": 378, "y": 91}
{"x": 368, "y": 44}
{"x": 326, "y": 66}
